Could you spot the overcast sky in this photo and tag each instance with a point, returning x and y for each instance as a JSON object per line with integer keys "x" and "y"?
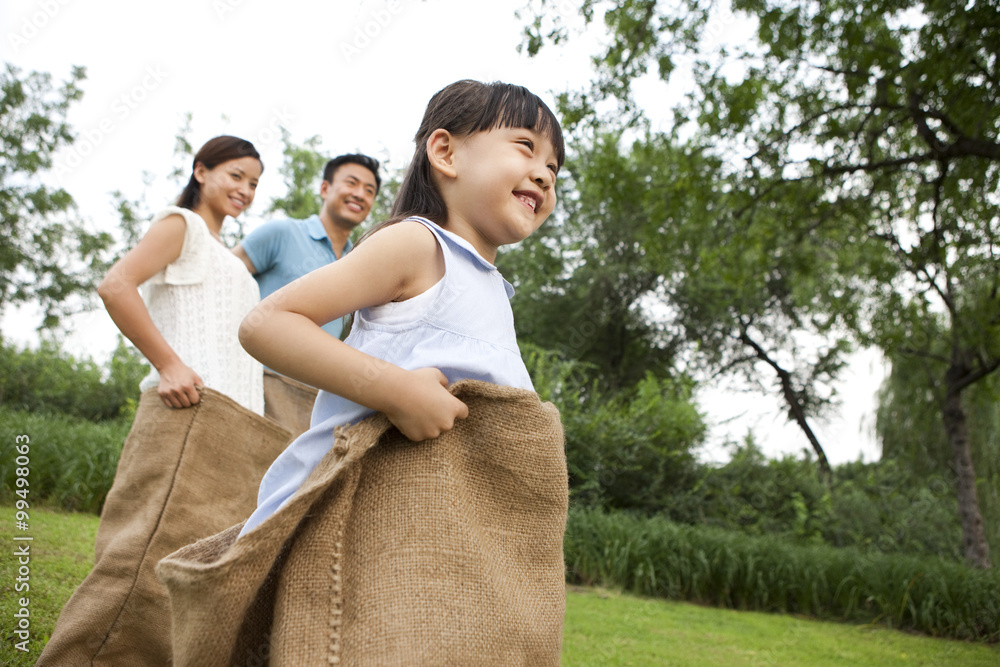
{"x": 356, "y": 73}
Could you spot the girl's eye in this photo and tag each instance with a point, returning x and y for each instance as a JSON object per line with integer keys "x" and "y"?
{"x": 529, "y": 143}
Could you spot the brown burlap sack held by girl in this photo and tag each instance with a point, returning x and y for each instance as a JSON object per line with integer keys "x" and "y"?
{"x": 183, "y": 475}
{"x": 288, "y": 402}
{"x": 445, "y": 552}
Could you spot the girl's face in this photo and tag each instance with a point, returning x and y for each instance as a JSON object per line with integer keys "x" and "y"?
{"x": 229, "y": 187}
{"x": 503, "y": 187}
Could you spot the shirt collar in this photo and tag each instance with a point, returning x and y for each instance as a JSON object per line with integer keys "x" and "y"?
{"x": 318, "y": 233}
{"x": 468, "y": 247}
{"x": 315, "y": 228}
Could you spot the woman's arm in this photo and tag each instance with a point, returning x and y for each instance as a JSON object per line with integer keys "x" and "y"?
{"x": 284, "y": 332}
{"x": 119, "y": 290}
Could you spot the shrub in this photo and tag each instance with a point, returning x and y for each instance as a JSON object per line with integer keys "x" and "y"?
{"x": 653, "y": 556}
{"x": 626, "y": 450}
{"x": 51, "y": 381}
{"x": 72, "y": 462}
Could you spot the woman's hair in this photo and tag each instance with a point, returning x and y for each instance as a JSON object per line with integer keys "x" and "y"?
{"x": 212, "y": 154}
{"x": 462, "y": 108}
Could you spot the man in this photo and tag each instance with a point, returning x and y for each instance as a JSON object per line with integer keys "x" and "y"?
{"x": 279, "y": 251}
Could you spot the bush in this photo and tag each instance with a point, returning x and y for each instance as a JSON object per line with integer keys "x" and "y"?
{"x": 50, "y": 381}
{"x": 872, "y": 506}
{"x": 72, "y": 462}
{"x": 626, "y": 450}
{"x": 655, "y": 557}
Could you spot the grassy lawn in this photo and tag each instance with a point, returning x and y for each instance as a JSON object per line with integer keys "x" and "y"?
{"x": 603, "y": 628}
{"x": 606, "y": 628}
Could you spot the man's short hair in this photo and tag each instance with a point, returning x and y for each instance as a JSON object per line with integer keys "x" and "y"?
{"x": 369, "y": 163}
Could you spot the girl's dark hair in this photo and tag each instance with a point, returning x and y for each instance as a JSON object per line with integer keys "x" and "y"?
{"x": 462, "y": 108}
{"x": 213, "y": 153}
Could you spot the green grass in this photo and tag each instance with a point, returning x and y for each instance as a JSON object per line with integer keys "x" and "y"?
{"x": 62, "y": 553}
{"x": 602, "y": 628}
{"x": 606, "y": 629}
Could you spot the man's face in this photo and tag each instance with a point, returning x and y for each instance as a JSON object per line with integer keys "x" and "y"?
{"x": 349, "y": 195}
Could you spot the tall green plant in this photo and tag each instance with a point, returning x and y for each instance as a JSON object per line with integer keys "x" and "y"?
{"x": 651, "y": 556}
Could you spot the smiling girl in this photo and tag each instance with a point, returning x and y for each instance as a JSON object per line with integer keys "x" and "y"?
{"x": 432, "y": 308}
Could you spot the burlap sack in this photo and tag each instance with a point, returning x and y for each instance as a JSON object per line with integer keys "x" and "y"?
{"x": 288, "y": 402}
{"x": 183, "y": 475}
{"x": 445, "y": 552}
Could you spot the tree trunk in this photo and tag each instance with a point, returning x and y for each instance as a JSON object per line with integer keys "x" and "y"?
{"x": 795, "y": 409}
{"x": 973, "y": 536}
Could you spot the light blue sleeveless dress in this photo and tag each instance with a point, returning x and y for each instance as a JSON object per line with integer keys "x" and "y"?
{"x": 463, "y": 325}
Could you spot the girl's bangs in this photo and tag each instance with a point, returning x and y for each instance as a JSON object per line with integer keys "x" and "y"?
{"x": 516, "y": 106}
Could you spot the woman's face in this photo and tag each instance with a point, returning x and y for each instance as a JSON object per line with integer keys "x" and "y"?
{"x": 230, "y": 186}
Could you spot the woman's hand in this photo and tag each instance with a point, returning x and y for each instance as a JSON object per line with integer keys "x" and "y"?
{"x": 179, "y": 386}
{"x": 423, "y": 407}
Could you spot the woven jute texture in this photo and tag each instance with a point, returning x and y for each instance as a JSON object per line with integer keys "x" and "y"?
{"x": 288, "y": 402}
{"x": 183, "y": 475}
{"x": 445, "y": 552}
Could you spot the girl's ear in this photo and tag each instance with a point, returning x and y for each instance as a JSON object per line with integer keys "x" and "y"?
{"x": 199, "y": 172}
{"x": 441, "y": 152}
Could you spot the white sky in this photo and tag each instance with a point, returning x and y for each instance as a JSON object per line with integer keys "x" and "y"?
{"x": 358, "y": 73}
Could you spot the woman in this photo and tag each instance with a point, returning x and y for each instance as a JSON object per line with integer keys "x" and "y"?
{"x": 198, "y": 446}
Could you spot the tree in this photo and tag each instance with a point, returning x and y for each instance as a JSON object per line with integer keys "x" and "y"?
{"x": 302, "y": 170}
{"x": 871, "y": 126}
{"x": 583, "y": 277}
{"x": 47, "y": 255}
{"x": 912, "y": 432}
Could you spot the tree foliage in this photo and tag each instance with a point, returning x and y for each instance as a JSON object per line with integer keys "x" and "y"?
{"x": 47, "y": 254}
{"x": 583, "y": 279}
{"x": 627, "y": 449}
{"x": 48, "y": 380}
{"x": 861, "y": 143}
{"x": 302, "y": 170}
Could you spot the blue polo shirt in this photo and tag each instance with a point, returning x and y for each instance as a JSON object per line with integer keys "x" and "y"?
{"x": 283, "y": 250}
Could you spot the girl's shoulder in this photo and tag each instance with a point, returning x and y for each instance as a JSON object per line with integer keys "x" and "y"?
{"x": 412, "y": 235}
{"x": 407, "y": 250}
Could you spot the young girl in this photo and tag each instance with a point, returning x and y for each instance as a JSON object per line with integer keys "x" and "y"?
{"x": 431, "y": 306}
{"x": 171, "y": 488}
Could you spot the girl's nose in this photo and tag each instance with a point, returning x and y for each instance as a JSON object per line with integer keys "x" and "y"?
{"x": 544, "y": 178}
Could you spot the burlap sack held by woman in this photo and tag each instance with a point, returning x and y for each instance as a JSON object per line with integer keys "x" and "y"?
{"x": 168, "y": 492}
{"x": 445, "y": 552}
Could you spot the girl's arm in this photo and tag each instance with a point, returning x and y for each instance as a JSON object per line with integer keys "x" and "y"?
{"x": 284, "y": 332}
{"x": 119, "y": 290}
